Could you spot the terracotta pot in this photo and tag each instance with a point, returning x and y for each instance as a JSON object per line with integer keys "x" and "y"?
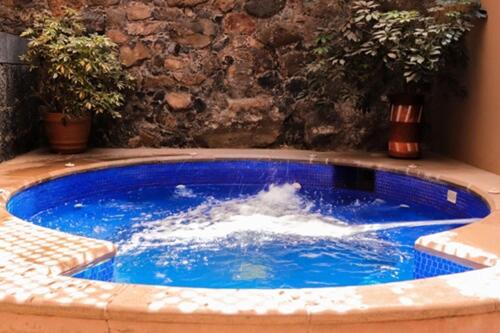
{"x": 406, "y": 117}
{"x": 67, "y": 136}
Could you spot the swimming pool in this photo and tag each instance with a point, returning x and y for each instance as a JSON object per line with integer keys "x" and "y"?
{"x": 252, "y": 224}
{"x": 37, "y": 263}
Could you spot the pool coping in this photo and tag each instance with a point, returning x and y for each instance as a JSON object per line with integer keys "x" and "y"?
{"x": 31, "y": 284}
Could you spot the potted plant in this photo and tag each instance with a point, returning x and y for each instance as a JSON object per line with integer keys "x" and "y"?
{"x": 400, "y": 55}
{"x": 80, "y": 75}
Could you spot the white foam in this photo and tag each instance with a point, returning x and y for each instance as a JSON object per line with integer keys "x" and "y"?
{"x": 279, "y": 210}
{"x": 182, "y": 191}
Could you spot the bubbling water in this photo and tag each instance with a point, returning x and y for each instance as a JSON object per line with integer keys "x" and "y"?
{"x": 276, "y": 212}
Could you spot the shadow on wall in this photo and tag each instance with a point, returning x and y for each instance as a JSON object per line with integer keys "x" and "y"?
{"x": 18, "y": 116}
{"x": 469, "y": 130}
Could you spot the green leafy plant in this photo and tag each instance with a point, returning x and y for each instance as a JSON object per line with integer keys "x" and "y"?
{"x": 80, "y": 73}
{"x": 393, "y": 51}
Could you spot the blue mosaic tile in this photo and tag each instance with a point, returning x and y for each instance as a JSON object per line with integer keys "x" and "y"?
{"x": 101, "y": 272}
{"x": 427, "y": 265}
{"x": 75, "y": 187}
{"x": 408, "y": 189}
{"x": 387, "y": 185}
{"x": 391, "y": 186}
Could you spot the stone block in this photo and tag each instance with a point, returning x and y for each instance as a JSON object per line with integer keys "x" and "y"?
{"x": 14, "y": 83}
{"x": 18, "y": 114}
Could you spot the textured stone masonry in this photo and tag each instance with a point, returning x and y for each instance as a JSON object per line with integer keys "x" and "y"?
{"x": 218, "y": 73}
{"x": 18, "y": 117}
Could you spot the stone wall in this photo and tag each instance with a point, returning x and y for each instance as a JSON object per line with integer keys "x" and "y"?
{"x": 218, "y": 73}
{"x": 18, "y": 116}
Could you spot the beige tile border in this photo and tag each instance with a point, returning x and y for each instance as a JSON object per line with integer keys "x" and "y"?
{"x": 32, "y": 260}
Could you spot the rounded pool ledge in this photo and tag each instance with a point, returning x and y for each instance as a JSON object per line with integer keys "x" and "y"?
{"x": 36, "y": 295}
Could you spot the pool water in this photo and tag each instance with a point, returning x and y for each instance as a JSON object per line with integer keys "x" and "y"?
{"x": 278, "y": 232}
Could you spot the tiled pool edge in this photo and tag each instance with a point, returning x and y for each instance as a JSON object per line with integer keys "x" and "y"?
{"x": 145, "y": 309}
{"x": 428, "y": 265}
{"x": 100, "y": 271}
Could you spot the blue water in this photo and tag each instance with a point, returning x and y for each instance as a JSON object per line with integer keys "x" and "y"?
{"x": 281, "y": 231}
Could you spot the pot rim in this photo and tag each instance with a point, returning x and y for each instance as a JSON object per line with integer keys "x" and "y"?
{"x": 57, "y": 116}
{"x": 406, "y": 99}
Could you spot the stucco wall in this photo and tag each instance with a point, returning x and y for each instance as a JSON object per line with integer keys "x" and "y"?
{"x": 469, "y": 129}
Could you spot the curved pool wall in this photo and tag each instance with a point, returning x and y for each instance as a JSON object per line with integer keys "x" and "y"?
{"x": 446, "y": 201}
{"x": 452, "y": 200}
{"x": 36, "y": 298}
